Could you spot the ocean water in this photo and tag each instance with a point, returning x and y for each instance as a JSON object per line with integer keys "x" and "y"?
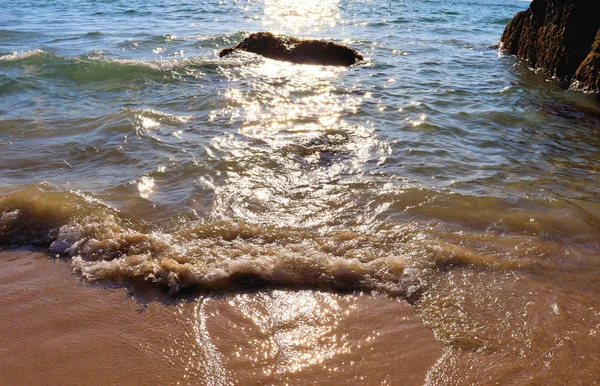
{"x": 439, "y": 170}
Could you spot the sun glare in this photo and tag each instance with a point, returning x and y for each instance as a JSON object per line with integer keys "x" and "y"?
{"x": 302, "y": 14}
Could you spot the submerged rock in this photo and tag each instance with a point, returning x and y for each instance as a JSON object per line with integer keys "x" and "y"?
{"x": 560, "y": 37}
{"x": 296, "y": 50}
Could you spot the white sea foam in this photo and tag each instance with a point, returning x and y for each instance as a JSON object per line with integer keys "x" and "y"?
{"x": 21, "y": 55}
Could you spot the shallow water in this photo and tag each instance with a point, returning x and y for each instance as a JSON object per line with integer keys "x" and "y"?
{"x": 56, "y": 331}
{"x": 439, "y": 170}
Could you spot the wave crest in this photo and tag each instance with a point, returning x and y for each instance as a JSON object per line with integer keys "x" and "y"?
{"x": 94, "y": 66}
{"x": 397, "y": 259}
{"x": 227, "y": 255}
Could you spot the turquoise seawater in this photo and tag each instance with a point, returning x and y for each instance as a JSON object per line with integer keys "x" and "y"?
{"x": 98, "y": 95}
{"x": 439, "y": 169}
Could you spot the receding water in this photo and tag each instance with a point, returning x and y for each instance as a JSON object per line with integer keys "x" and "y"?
{"x": 439, "y": 170}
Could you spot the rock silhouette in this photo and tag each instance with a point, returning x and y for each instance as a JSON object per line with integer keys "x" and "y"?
{"x": 296, "y": 50}
{"x": 560, "y": 37}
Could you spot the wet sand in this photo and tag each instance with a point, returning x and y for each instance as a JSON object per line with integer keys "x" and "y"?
{"x": 55, "y": 329}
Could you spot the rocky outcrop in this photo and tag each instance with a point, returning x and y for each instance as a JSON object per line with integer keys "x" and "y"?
{"x": 296, "y": 50}
{"x": 587, "y": 76}
{"x": 560, "y": 37}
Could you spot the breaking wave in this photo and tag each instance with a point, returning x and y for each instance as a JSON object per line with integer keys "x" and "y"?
{"x": 94, "y": 66}
{"x": 102, "y": 245}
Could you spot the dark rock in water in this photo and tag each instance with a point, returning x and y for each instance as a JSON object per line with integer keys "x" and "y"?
{"x": 588, "y": 73}
{"x": 59, "y": 247}
{"x": 561, "y": 37}
{"x": 296, "y": 50}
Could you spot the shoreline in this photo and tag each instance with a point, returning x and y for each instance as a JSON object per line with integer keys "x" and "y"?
{"x": 56, "y": 329}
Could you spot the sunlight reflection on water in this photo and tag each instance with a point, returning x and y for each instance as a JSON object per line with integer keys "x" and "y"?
{"x": 301, "y": 15}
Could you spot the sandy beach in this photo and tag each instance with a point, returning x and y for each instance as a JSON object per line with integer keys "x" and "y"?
{"x": 54, "y": 329}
